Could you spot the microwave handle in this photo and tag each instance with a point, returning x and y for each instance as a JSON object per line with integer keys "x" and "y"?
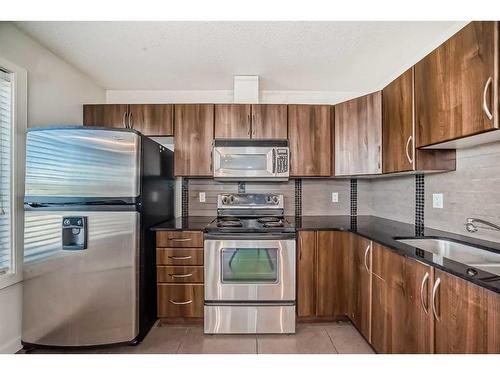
{"x": 274, "y": 160}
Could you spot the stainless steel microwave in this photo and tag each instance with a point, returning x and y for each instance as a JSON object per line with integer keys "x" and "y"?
{"x": 251, "y": 160}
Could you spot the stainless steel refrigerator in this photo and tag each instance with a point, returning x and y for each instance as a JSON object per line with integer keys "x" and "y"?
{"x": 89, "y": 258}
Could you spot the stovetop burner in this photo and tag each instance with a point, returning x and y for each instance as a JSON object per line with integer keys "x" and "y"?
{"x": 274, "y": 224}
{"x": 229, "y": 223}
{"x": 268, "y": 219}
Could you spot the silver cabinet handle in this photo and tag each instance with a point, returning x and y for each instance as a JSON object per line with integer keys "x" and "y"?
{"x": 407, "y": 151}
{"x": 434, "y": 291}
{"x": 300, "y": 248}
{"x": 424, "y": 283}
{"x": 180, "y": 258}
{"x": 485, "y": 101}
{"x": 180, "y": 276}
{"x": 124, "y": 120}
{"x": 130, "y": 120}
{"x": 366, "y": 253}
{"x": 253, "y": 122}
{"x": 379, "y": 157}
{"x": 180, "y": 239}
{"x": 211, "y": 160}
{"x": 180, "y": 303}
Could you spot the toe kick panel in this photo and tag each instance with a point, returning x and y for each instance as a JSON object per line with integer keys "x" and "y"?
{"x": 237, "y": 319}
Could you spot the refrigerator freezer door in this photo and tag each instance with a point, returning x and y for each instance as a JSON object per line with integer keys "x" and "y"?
{"x": 81, "y": 297}
{"x": 82, "y": 162}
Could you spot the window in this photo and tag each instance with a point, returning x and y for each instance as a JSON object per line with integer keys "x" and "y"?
{"x": 13, "y": 95}
{"x": 6, "y": 117}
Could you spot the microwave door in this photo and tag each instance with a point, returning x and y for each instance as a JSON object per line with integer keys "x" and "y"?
{"x": 240, "y": 163}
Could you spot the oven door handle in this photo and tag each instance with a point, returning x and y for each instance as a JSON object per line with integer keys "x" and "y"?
{"x": 250, "y": 236}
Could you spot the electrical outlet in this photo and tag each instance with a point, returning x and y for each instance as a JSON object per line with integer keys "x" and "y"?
{"x": 437, "y": 200}
{"x": 335, "y": 197}
{"x": 201, "y": 196}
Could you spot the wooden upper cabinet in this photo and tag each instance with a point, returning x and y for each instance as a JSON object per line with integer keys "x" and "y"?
{"x": 306, "y": 274}
{"x": 360, "y": 285}
{"x": 269, "y": 121}
{"x": 358, "y": 136}
{"x": 110, "y": 115}
{"x": 397, "y": 125}
{"x": 310, "y": 140}
{"x": 401, "y": 311}
{"x": 232, "y": 121}
{"x": 152, "y": 119}
{"x": 194, "y": 133}
{"x": 462, "y": 311}
{"x": 455, "y": 83}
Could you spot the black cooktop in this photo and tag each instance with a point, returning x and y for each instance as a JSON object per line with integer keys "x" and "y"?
{"x": 264, "y": 224}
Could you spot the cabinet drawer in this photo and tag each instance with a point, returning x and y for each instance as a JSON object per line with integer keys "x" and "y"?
{"x": 179, "y": 274}
{"x": 179, "y": 257}
{"x": 179, "y": 239}
{"x": 180, "y": 301}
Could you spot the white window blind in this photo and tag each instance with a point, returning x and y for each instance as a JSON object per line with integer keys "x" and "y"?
{"x": 6, "y": 251}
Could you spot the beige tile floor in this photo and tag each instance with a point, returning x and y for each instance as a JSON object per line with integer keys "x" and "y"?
{"x": 314, "y": 338}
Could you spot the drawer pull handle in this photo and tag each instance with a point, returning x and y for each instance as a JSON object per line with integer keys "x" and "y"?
{"x": 180, "y": 239}
{"x": 180, "y": 258}
{"x": 180, "y": 303}
{"x": 180, "y": 276}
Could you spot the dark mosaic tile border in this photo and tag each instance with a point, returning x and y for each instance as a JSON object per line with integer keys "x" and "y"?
{"x": 419, "y": 204}
{"x": 298, "y": 197}
{"x": 185, "y": 197}
{"x": 354, "y": 197}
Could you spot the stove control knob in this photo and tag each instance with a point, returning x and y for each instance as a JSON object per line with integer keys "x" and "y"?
{"x": 231, "y": 199}
{"x": 225, "y": 199}
{"x": 275, "y": 199}
{"x": 268, "y": 199}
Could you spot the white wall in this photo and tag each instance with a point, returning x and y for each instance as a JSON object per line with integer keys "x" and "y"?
{"x": 56, "y": 92}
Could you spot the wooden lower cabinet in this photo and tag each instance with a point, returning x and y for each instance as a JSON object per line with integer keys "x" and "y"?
{"x": 322, "y": 266}
{"x": 306, "y": 274}
{"x": 333, "y": 266}
{"x": 401, "y": 311}
{"x": 180, "y": 275}
{"x": 180, "y": 301}
{"x": 493, "y": 330}
{"x": 461, "y": 316}
{"x": 359, "y": 284}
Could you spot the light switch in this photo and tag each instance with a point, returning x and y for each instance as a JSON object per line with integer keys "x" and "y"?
{"x": 202, "y": 196}
{"x": 335, "y": 197}
{"x": 437, "y": 200}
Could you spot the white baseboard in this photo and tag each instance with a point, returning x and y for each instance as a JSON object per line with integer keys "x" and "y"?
{"x": 11, "y": 347}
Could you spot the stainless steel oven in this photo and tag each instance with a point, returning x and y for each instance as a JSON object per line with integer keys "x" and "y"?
{"x": 250, "y": 283}
{"x": 251, "y": 160}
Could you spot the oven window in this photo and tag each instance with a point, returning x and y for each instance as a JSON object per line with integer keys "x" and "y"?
{"x": 244, "y": 162}
{"x": 249, "y": 265}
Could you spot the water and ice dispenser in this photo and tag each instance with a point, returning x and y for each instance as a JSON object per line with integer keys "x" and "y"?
{"x": 74, "y": 233}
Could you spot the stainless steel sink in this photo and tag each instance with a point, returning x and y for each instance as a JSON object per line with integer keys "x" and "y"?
{"x": 472, "y": 256}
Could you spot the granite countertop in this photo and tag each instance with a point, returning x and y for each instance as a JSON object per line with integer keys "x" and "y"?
{"x": 380, "y": 230}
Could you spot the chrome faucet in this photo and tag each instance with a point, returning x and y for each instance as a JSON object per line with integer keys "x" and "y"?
{"x": 471, "y": 227}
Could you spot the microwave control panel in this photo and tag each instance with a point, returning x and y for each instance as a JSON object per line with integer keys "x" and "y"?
{"x": 282, "y": 160}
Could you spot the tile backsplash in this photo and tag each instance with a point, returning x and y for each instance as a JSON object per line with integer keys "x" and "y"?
{"x": 213, "y": 188}
{"x": 473, "y": 190}
{"x": 317, "y": 196}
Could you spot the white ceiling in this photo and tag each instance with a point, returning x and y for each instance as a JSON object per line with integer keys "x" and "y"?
{"x": 316, "y": 56}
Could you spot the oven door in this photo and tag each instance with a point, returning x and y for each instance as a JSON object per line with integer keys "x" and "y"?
{"x": 244, "y": 163}
{"x": 249, "y": 269}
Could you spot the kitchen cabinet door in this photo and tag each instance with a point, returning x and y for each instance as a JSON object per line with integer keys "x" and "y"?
{"x": 401, "y": 316}
{"x": 493, "y": 329}
{"x": 152, "y": 119}
{"x": 306, "y": 274}
{"x": 269, "y": 121}
{"x": 232, "y": 121}
{"x": 454, "y": 84}
{"x": 110, "y": 115}
{"x": 360, "y": 284}
{"x": 358, "y": 136}
{"x": 397, "y": 125}
{"x": 333, "y": 249}
{"x": 461, "y": 311}
{"x": 310, "y": 140}
{"x": 194, "y": 133}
